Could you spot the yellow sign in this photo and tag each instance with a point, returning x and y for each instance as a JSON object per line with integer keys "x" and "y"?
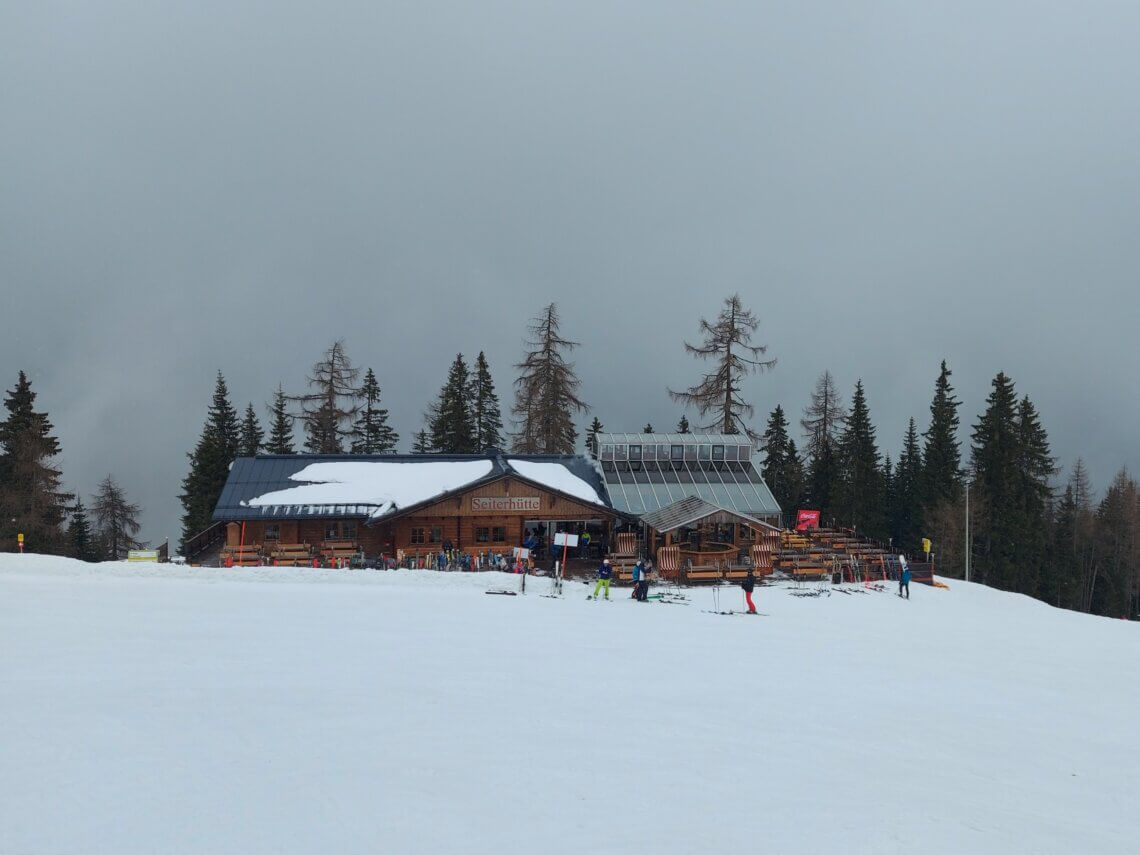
{"x": 20, "y": 537}
{"x": 142, "y": 555}
{"x": 926, "y": 545}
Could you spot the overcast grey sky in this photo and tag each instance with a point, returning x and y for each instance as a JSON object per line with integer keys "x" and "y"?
{"x": 192, "y": 186}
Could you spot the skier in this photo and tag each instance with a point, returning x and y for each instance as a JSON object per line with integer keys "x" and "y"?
{"x": 904, "y": 578}
{"x": 604, "y": 572}
{"x": 748, "y": 584}
{"x": 642, "y": 587}
{"x": 636, "y": 575}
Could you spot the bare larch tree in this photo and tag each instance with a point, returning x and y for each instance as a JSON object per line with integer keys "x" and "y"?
{"x": 546, "y": 391}
{"x": 116, "y": 520}
{"x": 728, "y": 344}
{"x": 329, "y": 410}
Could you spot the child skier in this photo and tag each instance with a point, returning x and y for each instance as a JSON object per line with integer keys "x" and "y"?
{"x": 748, "y": 585}
{"x": 636, "y": 592}
{"x": 904, "y": 578}
{"x": 604, "y": 572}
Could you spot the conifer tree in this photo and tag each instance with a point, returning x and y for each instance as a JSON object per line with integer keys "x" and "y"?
{"x": 329, "y": 410}
{"x": 592, "y": 432}
{"x": 1035, "y": 467}
{"x": 860, "y": 499}
{"x": 728, "y": 343}
{"x": 421, "y": 445}
{"x": 251, "y": 435}
{"x": 1116, "y": 589}
{"x": 83, "y": 543}
{"x": 648, "y": 428}
{"x": 281, "y": 431}
{"x": 116, "y": 520}
{"x": 942, "y": 457}
{"x": 209, "y": 463}
{"x": 372, "y": 434}
{"x": 994, "y": 459}
{"x": 31, "y": 497}
{"x": 546, "y": 391}
{"x": 781, "y": 466}
{"x": 450, "y": 424}
{"x": 683, "y": 425}
{"x": 486, "y": 413}
{"x": 822, "y": 421}
{"x": 906, "y": 499}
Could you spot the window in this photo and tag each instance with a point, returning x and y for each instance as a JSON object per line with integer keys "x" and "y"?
{"x": 348, "y": 530}
{"x": 620, "y": 452}
{"x": 704, "y": 450}
{"x": 499, "y": 534}
{"x": 690, "y": 452}
{"x": 676, "y": 453}
{"x": 650, "y": 452}
{"x": 718, "y": 452}
{"x": 662, "y": 452}
{"x": 332, "y": 531}
{"x": 635, "y": 452}
{"x": 482, "y": 534}
{"x": 273, "y": 532}
{"x": 417, "y": 535}
{"x": 731, "y": 452}
{"x": 607, "y": 452}
{"x": 436, "y": 535}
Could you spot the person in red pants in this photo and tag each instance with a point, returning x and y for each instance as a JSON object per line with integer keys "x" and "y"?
{"x": 748, "y": 584}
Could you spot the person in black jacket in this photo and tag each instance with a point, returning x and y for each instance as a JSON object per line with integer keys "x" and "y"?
{"x": 748, "y": 584}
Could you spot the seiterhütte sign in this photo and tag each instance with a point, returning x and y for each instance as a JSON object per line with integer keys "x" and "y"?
{"x": 506, "y": 503}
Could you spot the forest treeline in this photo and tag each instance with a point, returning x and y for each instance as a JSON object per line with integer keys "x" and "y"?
{"x": 1029, "y": 532}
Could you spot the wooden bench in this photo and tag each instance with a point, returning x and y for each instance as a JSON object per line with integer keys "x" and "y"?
{"x": 246, "y": 555}
{"x": 669, "y": 562}
{"x": 340, "y": 550}
{"x": 704, "y": 572}
{"x": 291, "y": 554}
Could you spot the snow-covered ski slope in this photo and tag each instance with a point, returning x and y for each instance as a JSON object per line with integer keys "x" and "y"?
{"x": 169, "y": 709}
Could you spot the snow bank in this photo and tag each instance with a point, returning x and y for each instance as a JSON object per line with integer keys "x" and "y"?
{"x": 384, "y": 486}
{"x": 177, "y": 709}
{"x": 557, "y": 477}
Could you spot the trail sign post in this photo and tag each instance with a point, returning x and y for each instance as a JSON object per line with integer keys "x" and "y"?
{"x": 20, "y": 541}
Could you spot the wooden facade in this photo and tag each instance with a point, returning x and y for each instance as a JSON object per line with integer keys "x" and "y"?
{"x": 491, "y": 516}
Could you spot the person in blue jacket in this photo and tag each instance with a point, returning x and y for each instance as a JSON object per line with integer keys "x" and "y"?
{"x": 604, "y": 573}
{"x": 904, "y": 579}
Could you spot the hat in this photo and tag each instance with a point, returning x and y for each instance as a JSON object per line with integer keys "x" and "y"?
{"x": 607, "y": 561}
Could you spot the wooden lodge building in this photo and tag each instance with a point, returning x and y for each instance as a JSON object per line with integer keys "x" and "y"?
{"x": 290, "y": 508}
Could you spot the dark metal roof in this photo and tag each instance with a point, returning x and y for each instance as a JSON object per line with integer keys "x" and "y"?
{"x": 687, "y": 511}
{"x": 251, "y": 477}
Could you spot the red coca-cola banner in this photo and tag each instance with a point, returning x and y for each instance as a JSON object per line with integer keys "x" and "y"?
{"x": 806, "y": 520}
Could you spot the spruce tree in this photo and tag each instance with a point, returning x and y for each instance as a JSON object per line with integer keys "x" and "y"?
{"x": 592, "y": 432}
{"x": 906, "y": 499}
{"x": 485, "y": 410}
{"x": 860, "y": 500}
{"x": 793, "y": 479}
{"x": 546, "y": 391}
{"x": 648, "y": 428}
{"x": 942, "y": 457}
{"x": 116, "y": 520}
{"x": 777, "y": 447}
{"x": 421, "y": 445}
{"x": 728, "y": 344}
{"x": 281, "y": 431}
{"x": 1035, "y": 468}
{"x": 251, "y": 435}
{"x": 329, "y": 410}
{"x": 209, "y": 463}
{"x": 451, "y": 426}
{"x": 1116, "y": 589}
{"x": 32, "y": 500}
{"x": 83, "y": 543}
{"x": 994, "y": 458}
{"x": 372, "y": 434}
{"x": 683, "y": 425}
{"x": 822, "y": 421}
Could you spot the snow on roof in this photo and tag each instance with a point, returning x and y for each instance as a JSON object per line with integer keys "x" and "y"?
{"x": 383, "y": 487}
{"x": 557, "y": 477}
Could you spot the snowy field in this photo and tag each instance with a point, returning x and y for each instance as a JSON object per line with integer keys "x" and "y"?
{"x": 172, "y": 709}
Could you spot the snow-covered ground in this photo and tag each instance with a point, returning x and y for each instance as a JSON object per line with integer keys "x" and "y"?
{"x": 172, "y": 709}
